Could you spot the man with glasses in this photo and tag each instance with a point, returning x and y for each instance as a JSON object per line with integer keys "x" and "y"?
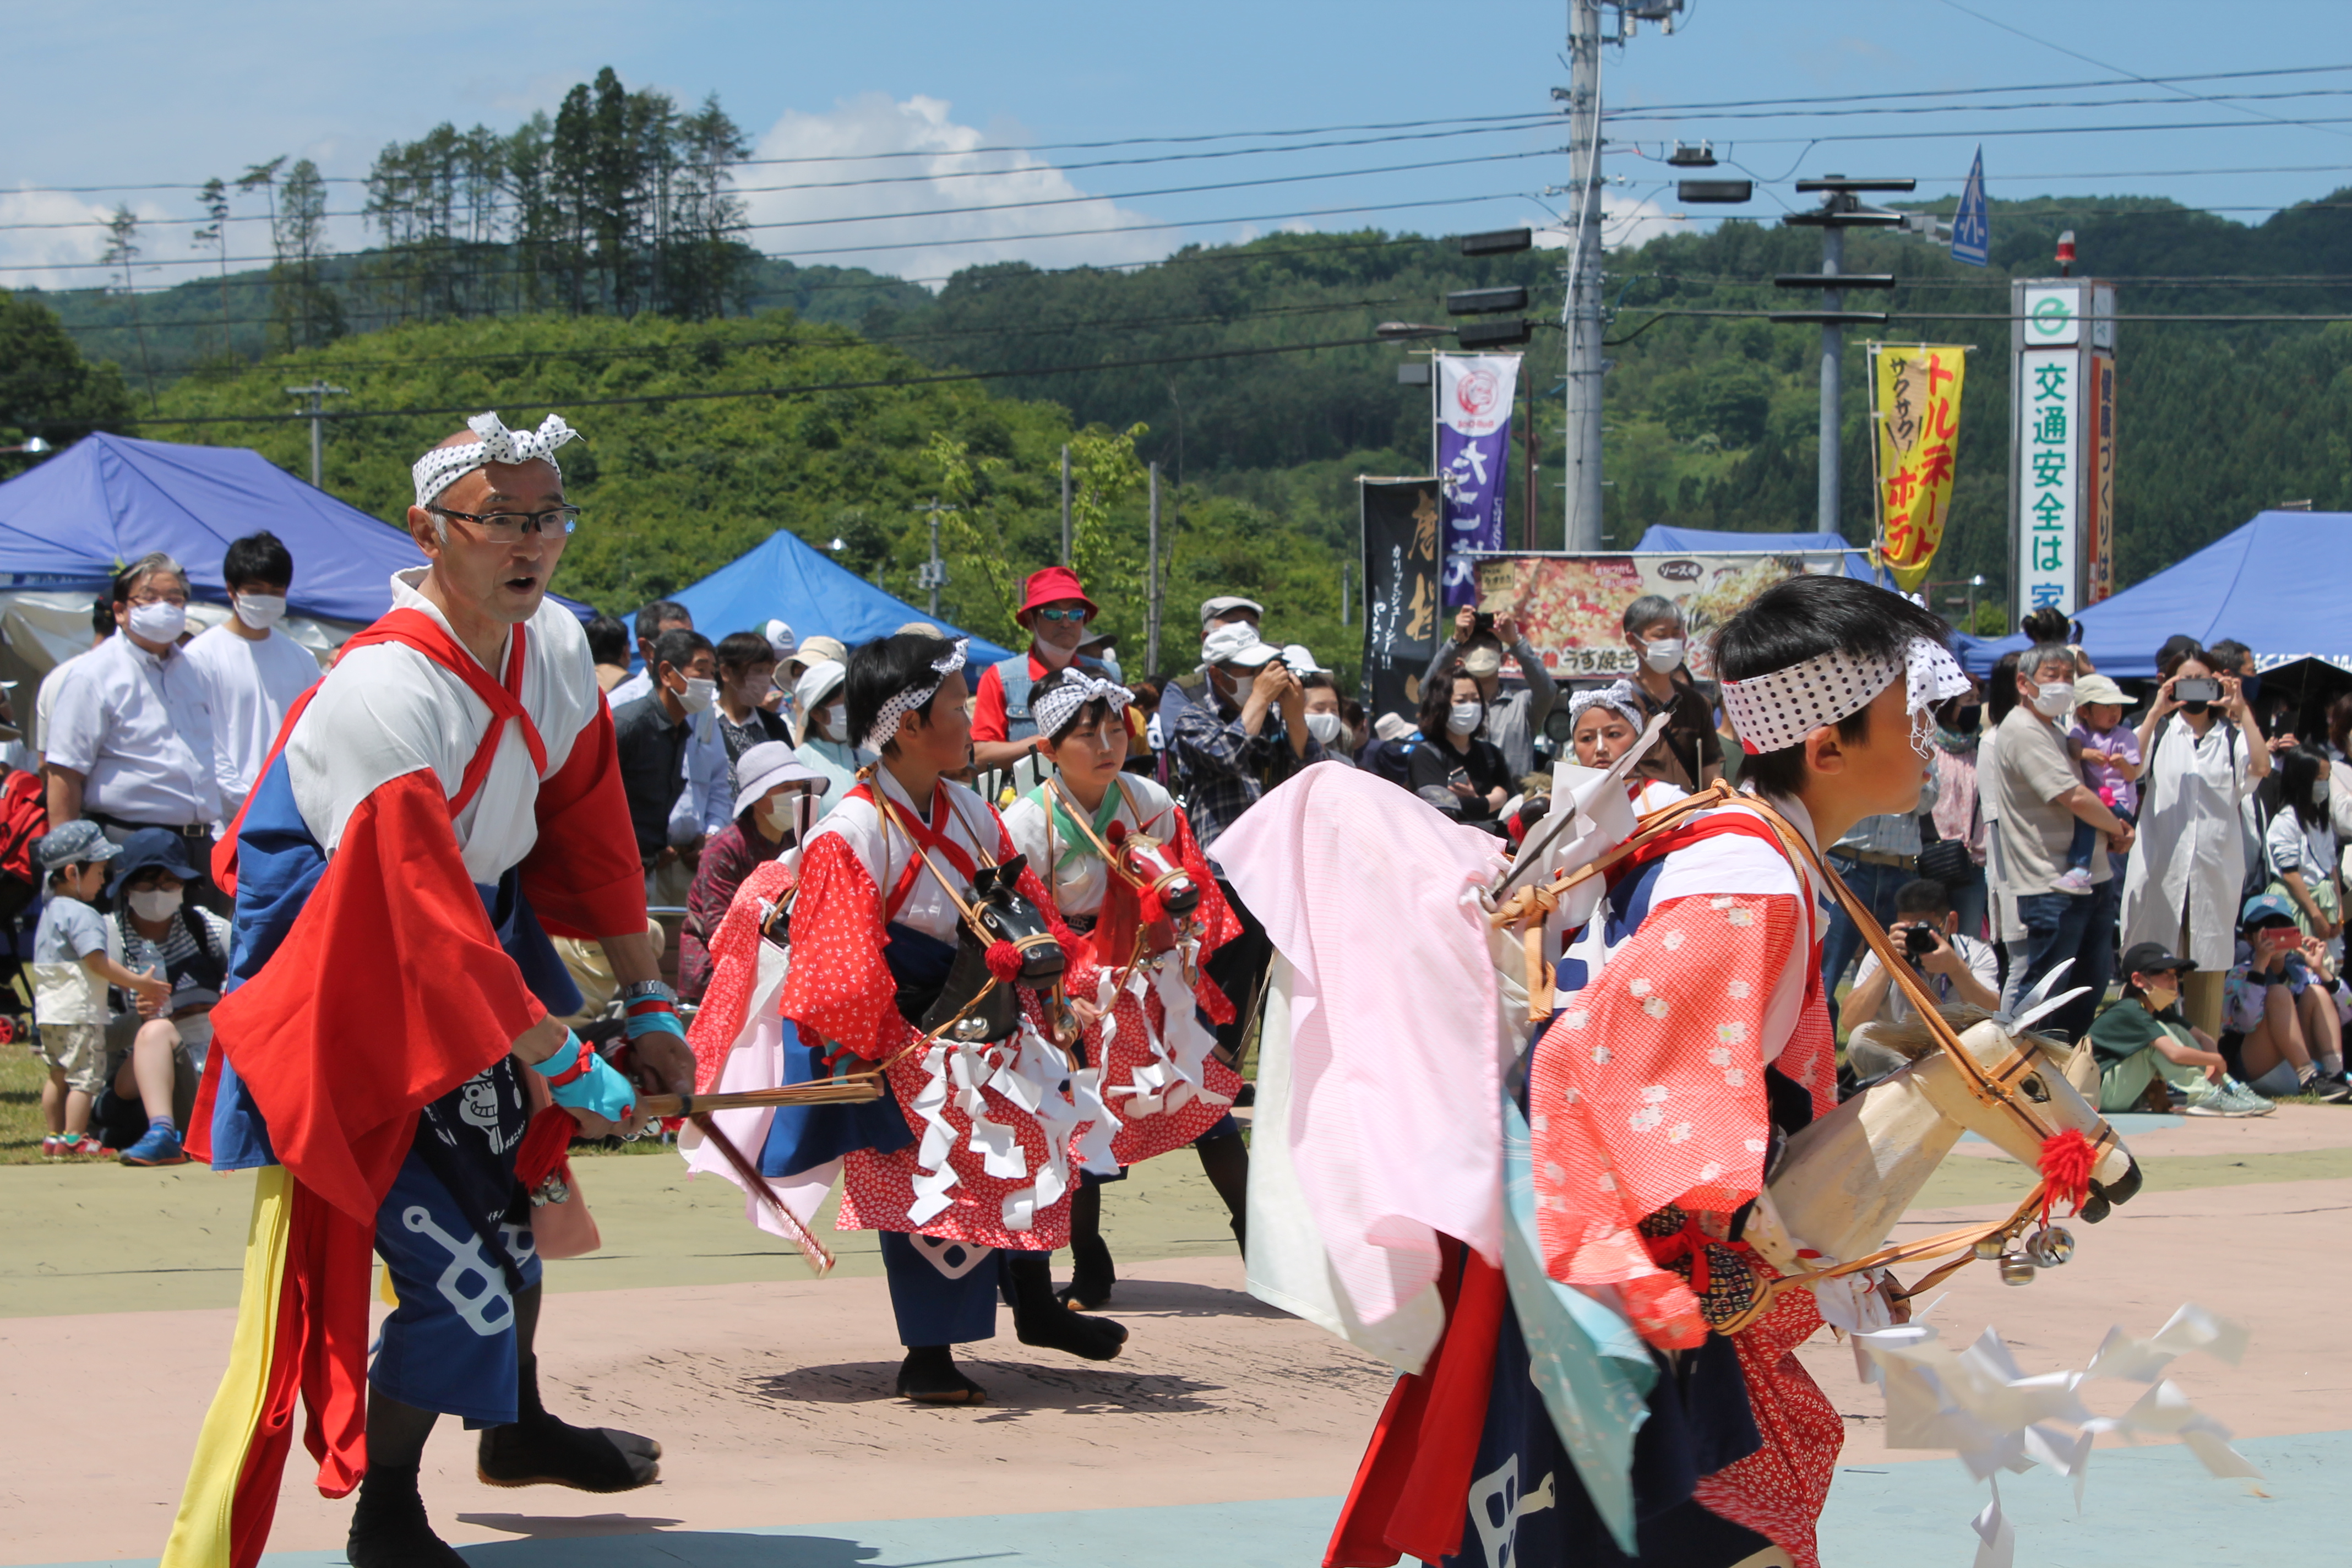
{"x": 1054, "y": 611}
{"x": 393, "y": 1012}
{"x": 131, "y": 740}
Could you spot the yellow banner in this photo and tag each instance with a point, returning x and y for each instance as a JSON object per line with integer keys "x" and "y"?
{"x": 1916, "y": 396}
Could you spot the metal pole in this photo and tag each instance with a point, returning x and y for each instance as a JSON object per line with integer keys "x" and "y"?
{"x": 1582, "y": 313}
{"x": 1065, "y": 506}
{"x": 1343, "y": 593}
{"x": 318, "y": 392}
{"x": 1832, "y": 363}
{"x": 1151, "y": 581}
{"x": 938, "y": 575}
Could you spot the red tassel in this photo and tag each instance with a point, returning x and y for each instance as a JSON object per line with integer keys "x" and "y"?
{"x": 2068, "y": 1160}
{"x": 1148, "y": 907}
{"x": 1003, "y": 961}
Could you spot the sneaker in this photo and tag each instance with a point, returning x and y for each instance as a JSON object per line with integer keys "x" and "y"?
{"x": 2077, "y": 880}
{"x": 2327, "y": 1090}
{"x": 2244, "y": 1101}
{"x": 89, "y": 1147}
{"x": 53, "y": 1146}
{"x": 159, "y": 1145}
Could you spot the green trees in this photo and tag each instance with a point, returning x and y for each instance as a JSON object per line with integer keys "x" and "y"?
{"x": 47, "y": 388}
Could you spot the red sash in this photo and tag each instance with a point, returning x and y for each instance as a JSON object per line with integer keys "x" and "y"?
{"x": 415, "y": 629}
{"x": 929, "y": 834}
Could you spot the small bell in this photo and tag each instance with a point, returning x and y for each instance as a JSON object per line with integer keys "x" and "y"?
{"x": 1990, "y": 1249}
{"x": 2016, "y": 1268}
{"x": 2050, "y": 1248}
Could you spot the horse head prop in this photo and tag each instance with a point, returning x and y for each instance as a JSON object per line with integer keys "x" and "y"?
{"x": 1003, "y": 939}
{"x": 1849, "y": 1176}
{"x": 1156, "y": 872}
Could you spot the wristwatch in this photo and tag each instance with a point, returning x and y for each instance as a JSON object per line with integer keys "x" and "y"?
{"x": 638, "y": 990}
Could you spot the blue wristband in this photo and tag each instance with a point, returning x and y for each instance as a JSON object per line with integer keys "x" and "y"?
{"x": 580, "y": 1079}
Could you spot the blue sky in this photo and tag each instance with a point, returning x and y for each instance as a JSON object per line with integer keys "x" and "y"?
{"x": 142, "y": 93}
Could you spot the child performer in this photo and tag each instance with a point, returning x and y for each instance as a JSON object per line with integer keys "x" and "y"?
{"x": 1658, "y": 1098}
{"x": 966, "y": 1169}
{"x": 1606, "y": 722}
{"x": 1141, "y": 1028}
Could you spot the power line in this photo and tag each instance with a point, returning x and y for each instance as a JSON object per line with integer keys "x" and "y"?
{"x": 939, "y": 379}
{"x": 1625, "y": 116}
{"x": 2321, "y": 123}
{"x": 1914, "y": 93}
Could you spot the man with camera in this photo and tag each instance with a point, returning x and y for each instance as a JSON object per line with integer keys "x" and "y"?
{"x": 1955, "y": 968}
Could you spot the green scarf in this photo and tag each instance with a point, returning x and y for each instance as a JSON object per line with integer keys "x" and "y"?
{"x": 1067, "y": 827}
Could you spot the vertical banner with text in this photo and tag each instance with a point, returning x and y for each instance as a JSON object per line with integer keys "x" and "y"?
{"x": 1402, "y": 608}
{"x": 1474, "y": 459}
{"x": 1916, "y": 401}
{"x": 2099, "y": 573}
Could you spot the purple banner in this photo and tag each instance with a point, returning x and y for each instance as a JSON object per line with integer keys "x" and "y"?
{"x": 1474, "y": 459}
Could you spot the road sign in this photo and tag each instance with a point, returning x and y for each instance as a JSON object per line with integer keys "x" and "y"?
{"x": 1972, "y": 226}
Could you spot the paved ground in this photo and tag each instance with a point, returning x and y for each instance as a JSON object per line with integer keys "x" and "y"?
{"x": 1224, "y": 1434}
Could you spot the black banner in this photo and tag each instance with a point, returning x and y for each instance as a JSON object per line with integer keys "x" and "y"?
{"x": 1400, "y": 591}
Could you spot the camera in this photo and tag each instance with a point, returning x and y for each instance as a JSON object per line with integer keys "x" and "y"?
{"x": 1482, "y": 623}
{"x": 2196, "y": 688}
{"x": 1918, "y": 942}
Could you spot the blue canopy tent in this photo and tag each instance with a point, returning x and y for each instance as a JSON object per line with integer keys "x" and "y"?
{"x": 785, "y": 579}
{"x": 2279, "y": 584}
{"x": 75, "y": 520}
{"x": 1660, "y": 541}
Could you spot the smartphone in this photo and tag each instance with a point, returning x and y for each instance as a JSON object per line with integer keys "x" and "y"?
{"x": 2196, "y": 688}
{"x": 1458, "y": 777}
{"x": 1482, "y": 623}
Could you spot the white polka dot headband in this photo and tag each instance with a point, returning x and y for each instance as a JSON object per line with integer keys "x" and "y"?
{"x": 1053, "y": 707}
{"x": 434, "y": 471}
{"x": 886, "y": 723}
{"x": 1778, "y": 710}
{"x": 1618, "y": 696}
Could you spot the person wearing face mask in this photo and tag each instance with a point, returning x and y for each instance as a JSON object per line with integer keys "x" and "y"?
{"x": 774, "y": 805}
{"x": 2041, "y": 797}
{"x": 654, "y": 735}
{"x": 1056, "y": 613}
{"x": 2299, "y": 849}
{"x": 156, "y": 1049}
{"x": 1324, "y": 719}
{"x": 130, "y": 741}
{"x": 1958, "y": 814}
{"x": 747, "y": 676}
{"x": 251, "y": 672}
{"x": 1456, "y": 766}
{"x": 2183, "y": 887}
{"x": 1514, "y": 719}
{"x": 1655, "y": 630}
{"x": 2149, "y": 1054}
{"x": 823, "y": 742}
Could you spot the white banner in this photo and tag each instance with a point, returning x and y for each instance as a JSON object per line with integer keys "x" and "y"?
{"x": 1474, "y": 459}
{"x": 2049, "y": 478}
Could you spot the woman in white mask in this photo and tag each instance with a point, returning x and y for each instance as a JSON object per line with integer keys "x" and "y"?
{"x": 825, "y": 729}
{"x": 1324, "y": 719}
{"x": 775, "y": 802}
{"x": 1656, "y": 632}
{"x": 157, "y": 1052}
{"x": 1451, "y": 763}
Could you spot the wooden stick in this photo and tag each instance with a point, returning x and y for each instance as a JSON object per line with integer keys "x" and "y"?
{"x": 819, "y": 1259}
{"x": 859, "y": 1088}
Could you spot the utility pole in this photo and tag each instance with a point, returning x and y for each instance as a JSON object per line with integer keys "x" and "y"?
{"x": 1343, "y": 591}
{"x": 1581, "y": 314}
{"x": 1151, "y": 581}
{"x": 933, "y": 573}
{"x": 1840, "y": 210}
{"x": 1065, "y": 506}
{"x": 318, "y": 392}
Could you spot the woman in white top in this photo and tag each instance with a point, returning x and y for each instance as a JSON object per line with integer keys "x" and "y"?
{"x": 2300, "y": 847}
{"x": 1147, "y": 1026}
{"x": 824, "y": 740}
{"x": 2189, "y": 868}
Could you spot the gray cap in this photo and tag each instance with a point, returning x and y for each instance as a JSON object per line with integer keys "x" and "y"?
{"x": 1226, "y": 604}
{"x": 77, "y": 841}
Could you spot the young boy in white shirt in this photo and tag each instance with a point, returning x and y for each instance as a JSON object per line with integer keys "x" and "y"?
{"x": 70, "y": 973}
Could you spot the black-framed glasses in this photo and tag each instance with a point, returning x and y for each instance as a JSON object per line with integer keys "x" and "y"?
{"x": 511, "y": 527}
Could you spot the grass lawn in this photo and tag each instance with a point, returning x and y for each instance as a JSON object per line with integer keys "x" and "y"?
{"x": 21, "y": 1077}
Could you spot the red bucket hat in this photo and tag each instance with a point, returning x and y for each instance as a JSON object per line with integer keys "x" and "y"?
{"x": 1052, "y": 586}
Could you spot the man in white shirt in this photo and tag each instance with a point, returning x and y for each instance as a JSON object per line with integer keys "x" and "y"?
{"x": 44, "y": 695}
{"x": 130, "y": 742}
{"x": 251, "y": 672}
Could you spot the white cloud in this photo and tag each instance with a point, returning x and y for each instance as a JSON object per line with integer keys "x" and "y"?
{"x": 1626, "y": 222}
{"x": 34, "y": 254}
{"x": 940, "y": 177}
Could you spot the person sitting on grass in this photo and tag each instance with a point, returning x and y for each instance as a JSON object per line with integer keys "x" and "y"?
{"x": 158, "y": 929}
{"x": 2146, "y": 1049}
{"x": 71, "y": 972}
{"x": 2281, "y": 995}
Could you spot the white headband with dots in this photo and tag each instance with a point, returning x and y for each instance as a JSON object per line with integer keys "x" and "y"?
{"x": 1055, "y": 706}
{"x": 1779, "y": 708}
{"x": 434, "y": 471}
{"x": 886, "y": 723}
